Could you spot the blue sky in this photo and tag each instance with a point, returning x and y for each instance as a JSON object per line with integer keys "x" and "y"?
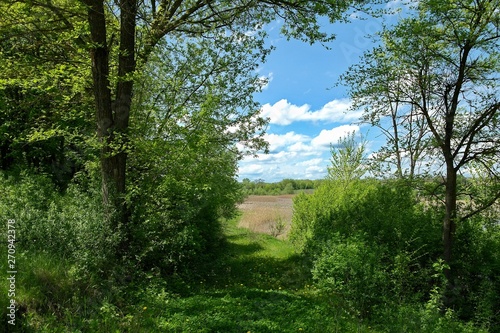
{"x": 307, "y": 110}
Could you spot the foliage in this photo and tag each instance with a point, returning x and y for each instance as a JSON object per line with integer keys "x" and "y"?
{"x": 352, "y": 269}
{"x": 257, "y": 283}
{"x": 376, "y": 244}
{"x": 277, "y": 226}
{"x": 367, "y": 240}
{"x": 445, "y": 94}
{"x": 45, "y": 105}
{"x": 285, "y": 186}
{"x": 477, "y": 281}
{"x": 182, "y": 172}
{"x": 347, "y": 160}
{"x": 432, "y": 87}
{"x": 65, "y": 226}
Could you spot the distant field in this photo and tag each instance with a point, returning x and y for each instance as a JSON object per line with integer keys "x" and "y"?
{"x": 267, "y": 214}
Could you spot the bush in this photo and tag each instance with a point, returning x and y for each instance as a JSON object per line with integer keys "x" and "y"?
{"x": 476, "y": 280}
{"x": 352, "y": 269}
{"x": 367, "y": 240}
{"x": 385, "y": 213}
{"x": 69, "y": 225}
{"x": 173, "y": 226}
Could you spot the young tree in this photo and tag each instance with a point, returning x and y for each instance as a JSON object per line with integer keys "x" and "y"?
{"x": 444, "y": 63}
{"x": 347, "y": 160}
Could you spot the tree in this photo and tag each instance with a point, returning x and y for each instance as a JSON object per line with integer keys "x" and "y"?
{"x": 444, "y": 63}
{"x": 381, "y": 88}
{"x": 347, "y": 160}
{"x": 152, "y": 22}
{"x": 122, "y": 36}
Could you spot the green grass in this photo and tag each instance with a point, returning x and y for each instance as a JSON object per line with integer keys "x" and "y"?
{"x": 258, "y": 284}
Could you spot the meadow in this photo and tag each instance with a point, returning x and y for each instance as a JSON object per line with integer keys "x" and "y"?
{"x": 270, "y": 214}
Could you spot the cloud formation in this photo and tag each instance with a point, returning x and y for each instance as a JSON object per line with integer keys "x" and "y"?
{"x": 295, "y": 155}
{"x": 284, "y": 113}
{"x": 332, "y": 137}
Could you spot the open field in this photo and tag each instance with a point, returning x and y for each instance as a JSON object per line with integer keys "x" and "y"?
{"x": 267, "y": 214}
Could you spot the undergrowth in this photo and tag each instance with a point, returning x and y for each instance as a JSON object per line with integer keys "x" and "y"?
{"x": 256, "y": 284}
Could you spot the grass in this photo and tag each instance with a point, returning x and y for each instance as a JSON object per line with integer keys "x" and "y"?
{"x": 258, "y": 285}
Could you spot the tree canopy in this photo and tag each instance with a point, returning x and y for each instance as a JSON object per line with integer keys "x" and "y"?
{"x": 432, "y": 86}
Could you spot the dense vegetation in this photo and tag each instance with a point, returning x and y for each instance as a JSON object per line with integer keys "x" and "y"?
{"x": 285, "y": 186}
{"x": 121, "y": 127}
{"x": 377, "y": 247}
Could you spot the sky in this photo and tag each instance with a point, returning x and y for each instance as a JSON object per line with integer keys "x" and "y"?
{"x": 308, "y": 111}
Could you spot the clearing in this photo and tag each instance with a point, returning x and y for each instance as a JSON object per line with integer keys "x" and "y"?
{"x": 267, "y": 214}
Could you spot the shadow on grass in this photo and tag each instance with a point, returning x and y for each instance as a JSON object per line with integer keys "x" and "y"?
{"x": 244, "y": 310}
{"x": 250, "y": 288}
{"x": 256, "y": 261}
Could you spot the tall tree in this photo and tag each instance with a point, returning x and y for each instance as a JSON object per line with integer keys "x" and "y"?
{"x": 444, "y": 63}
{"x": 152, "y": 22}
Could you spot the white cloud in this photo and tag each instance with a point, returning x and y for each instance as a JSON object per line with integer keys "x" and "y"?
{"x": 315, "y": 172}
{"x": 294, "y": 155}
{"x": 285, "y": 113}
{"x": 251, "y": 170}
{"x": 300, "y": 147}
{"x": 277, "y": 141}
{"x": 311, "y": 163}
{"x": 327, "y": 137}
{"x": 280, "y": 157}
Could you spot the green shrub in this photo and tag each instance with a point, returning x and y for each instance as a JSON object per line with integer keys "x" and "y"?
{"x": 352, "y": 269}
{"x": 386, "y": 213}
{"x": 69, "y": 225}
{"x": 174, "y": 225}
{"x": 476, "y": 279}
{"x": 371, "y": 242}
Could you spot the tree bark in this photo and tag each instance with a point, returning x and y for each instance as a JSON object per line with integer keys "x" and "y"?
{"x": 99, "y": 54}
{"x": 449, "y": 223}
{"x": 113, "y": 117}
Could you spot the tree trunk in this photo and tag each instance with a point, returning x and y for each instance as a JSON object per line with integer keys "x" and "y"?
{"x": 104, "y": 115}
{"x": 113, "y": 118}
{"x": 450, "y": 214}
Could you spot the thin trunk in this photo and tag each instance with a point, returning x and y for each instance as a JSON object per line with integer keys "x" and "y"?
{"x": 449, "y": 222}
{"x": 394, "y": 116}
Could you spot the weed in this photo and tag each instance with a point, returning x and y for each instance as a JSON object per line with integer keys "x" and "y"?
{"x": 277, "y": 226}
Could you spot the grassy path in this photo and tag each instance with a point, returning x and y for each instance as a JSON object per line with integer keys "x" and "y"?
{"x": 260, "y": 286}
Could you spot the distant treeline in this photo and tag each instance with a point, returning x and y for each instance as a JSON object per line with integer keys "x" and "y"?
{"x": 286, "y": 186}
